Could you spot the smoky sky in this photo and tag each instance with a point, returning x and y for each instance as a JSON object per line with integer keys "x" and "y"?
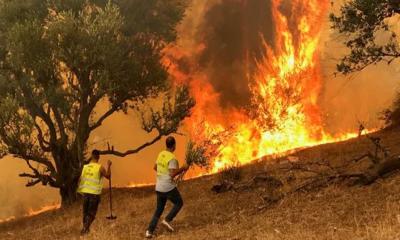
{"x": 232, "y": 33}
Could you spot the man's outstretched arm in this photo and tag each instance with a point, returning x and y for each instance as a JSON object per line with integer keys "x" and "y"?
{"x": 175, "y": 172}
{"x": 106, "y": 173}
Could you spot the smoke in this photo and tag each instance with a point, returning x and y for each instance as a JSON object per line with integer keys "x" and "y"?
{"x": 230, "y": 32}
{"x": 362, "y": 96}
{"x": 227, "y": 36}
{"x": 15, "y": 199}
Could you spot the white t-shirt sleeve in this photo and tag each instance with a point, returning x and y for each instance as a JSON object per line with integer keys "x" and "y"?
{"x": 173, "y": 164}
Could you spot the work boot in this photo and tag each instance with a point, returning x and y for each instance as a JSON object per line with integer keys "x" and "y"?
{"x": 149, "y": 234}
{"x": 167, "y": 225}
{"x": 84, "y": 231}
{"x": 86, "y": 225}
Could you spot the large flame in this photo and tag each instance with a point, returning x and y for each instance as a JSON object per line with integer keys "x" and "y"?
{"x": 285, "y": 89}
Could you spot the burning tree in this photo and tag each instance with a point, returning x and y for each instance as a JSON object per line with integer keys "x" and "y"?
{"x": 59, "y": 60}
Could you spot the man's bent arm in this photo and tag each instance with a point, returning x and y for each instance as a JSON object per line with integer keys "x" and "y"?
{"x": 106, "y": 173}
{"x": 175, "y": 172}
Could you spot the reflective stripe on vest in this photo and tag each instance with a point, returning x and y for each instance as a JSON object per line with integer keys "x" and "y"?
{"x": 91, "y": 179}
{"x": 162, "y": 162}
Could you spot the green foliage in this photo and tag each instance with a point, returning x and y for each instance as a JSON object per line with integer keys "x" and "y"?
{"x": 196, "y": 155}
{"x": 392, "y": 116}
{"x": 175, "y": 108}
{"x": 16, "y": 128}
{"x": 153, "y": 15}
{"x": 363, "y": 23}
{"x": 60, "y": 58}
{"x": 231, "y": 174}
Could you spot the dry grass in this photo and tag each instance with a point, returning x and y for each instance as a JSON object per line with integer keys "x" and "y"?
{"x": 233, "y": 173}
{"x": 335, "y": 212}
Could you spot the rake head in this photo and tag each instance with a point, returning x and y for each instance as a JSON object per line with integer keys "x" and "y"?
{"x": 111, "y": 217}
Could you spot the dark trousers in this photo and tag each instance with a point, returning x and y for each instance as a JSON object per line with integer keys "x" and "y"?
{"x": 90, "y": 206}
{"x": 175, "y": 197}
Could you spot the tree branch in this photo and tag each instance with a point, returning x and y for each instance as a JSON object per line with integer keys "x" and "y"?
{"x": 38, "y": 177}
{"x": 100, "y": 121}
{"x": 41, "y": 160}
{"x": 35, "y": 110}
{"x": 60, "y": 123}
{"x": 33, "y": 183}
{"x": 111, "y": 150}
{"x": 27, "y": 175}
{"x": 115, "y": 107}
{"x": 44, "y": 145}
{"x": 166, "y": 121}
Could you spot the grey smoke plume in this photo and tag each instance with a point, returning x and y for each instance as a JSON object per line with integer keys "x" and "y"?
{"x": 232, "y": 33}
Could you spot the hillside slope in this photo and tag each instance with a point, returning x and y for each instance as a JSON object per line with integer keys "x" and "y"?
{"x": 337, "y": 211}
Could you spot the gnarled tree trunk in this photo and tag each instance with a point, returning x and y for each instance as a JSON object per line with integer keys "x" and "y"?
{"x": 68, "y": 194}
{"x": 69, "y": 167}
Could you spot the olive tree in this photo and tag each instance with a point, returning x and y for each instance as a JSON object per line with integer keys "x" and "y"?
{"x": 60, "y": 59}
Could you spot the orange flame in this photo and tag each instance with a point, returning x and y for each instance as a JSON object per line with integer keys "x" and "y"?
{"x": 136, "y": 185}
{"x": 32, "y": 212}
{"x": 285, "y": 90}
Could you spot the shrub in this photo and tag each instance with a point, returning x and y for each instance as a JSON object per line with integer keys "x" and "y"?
{"x": 231, "y": 174}
{"x": 392, "y": 116}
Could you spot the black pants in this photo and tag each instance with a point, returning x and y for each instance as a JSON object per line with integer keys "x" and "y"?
{"x": 175, "y": 197}
{"x": 90, "y": 205}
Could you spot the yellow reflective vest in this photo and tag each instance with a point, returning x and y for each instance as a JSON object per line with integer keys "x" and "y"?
{"x": 162, "y": 162}
{"x": 91, "y": 179}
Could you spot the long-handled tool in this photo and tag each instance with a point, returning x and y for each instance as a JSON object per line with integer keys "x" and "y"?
{"x": 111, "y": 217}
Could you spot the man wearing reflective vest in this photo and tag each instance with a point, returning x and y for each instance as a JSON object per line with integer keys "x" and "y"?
{"x": 167, "y": 168}
{"x": 90, "y": 186}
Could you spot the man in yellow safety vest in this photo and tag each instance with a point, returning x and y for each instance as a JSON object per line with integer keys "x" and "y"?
{"x": 90, "y": 186}
{"x": 167, "y": 168}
